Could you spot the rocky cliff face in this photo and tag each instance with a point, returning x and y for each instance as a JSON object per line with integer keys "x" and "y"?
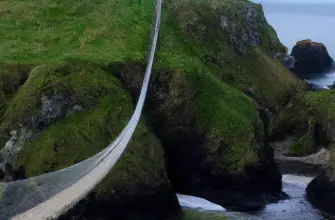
{"x": 215, "y": 141}
{"x": 202, "y": 158}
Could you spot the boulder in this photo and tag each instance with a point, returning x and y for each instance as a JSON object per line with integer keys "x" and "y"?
{"x": 286, "y": 60}
{"x": 311, "y": 58}
{"x": 289, "y": 62}
{"x": 321, "y": 193}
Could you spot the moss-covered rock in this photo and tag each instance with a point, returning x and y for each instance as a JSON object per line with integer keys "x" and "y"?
{"x": 309, "y": 118}
{"x": 138, "y": 178}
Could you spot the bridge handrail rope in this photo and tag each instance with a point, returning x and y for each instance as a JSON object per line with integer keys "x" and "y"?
{"x": 42, "y": 203}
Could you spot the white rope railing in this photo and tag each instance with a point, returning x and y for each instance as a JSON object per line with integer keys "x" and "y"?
{"x": 49, "y": 195}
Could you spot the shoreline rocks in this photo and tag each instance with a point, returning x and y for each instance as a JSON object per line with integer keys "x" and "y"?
{"x": 321, "y": 193}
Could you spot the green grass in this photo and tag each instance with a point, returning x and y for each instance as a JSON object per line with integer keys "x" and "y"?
{"x": 320, "y": 104}
{"x": 45, "y": 30}
{"x": 306, "y": 144}
{"x": 194, "y": 215}
{"x": 226, "y": 115}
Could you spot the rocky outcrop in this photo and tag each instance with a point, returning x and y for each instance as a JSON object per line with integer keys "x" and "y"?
{"x": 286, "y": 60}
{"x": 321, "y": 190}
{"x": 250, "y": 35}
{"x": 289, "y": 62}
{"x": 309, "y": 120}
{"x": 321, "y": 193}
{"x": 51, "y": 108}
{"x": 200, "y": 162}
{"x": 311, "y": 58}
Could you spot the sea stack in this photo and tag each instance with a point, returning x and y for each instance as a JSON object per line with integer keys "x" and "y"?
{"x": 311, "y": 58}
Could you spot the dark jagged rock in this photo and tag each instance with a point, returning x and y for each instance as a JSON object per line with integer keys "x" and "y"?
{"x": 311, "y": 58}
{"x": 321, "y": 193}
{"x": 250, "y": 34}
{"x": 289, "y": 62}
{"x": 147, "y": 204}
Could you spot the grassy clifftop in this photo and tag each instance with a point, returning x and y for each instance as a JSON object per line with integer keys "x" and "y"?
{"x": 44, "y": 31}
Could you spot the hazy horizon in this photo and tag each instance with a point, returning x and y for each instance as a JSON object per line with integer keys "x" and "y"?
{"x": 294, "y": 22}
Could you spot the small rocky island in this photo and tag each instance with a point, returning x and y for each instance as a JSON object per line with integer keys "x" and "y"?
{"x": 311, "y": 58}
